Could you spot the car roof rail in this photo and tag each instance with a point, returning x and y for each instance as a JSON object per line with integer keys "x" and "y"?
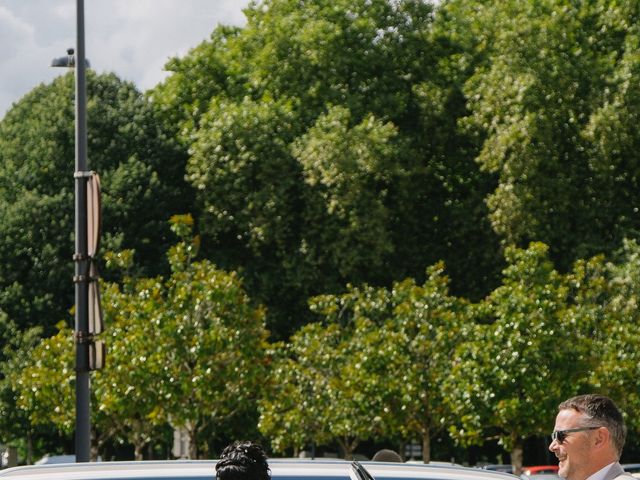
{"x": 361, "y": 472}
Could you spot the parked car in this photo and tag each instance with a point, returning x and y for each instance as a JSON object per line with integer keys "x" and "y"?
{"x": 499, "y": 468}
{"x": 540, "y": 476}
{"x": 540, "y": 469}
{"x": 540, "y": 472}
{"x": 48, "y": 459}
{"x": 632, "y": 468}
{"x": 280, "y": 470}
{"x": 412, "y": 471}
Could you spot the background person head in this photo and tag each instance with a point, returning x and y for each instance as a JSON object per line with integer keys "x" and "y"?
{"x": 589, "y": 434}
{"x": 243, "y": 461}
{"x": 386, "y": 455}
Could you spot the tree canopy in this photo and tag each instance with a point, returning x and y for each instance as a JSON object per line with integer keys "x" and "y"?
{"x": 549, "y": 95}
{"x": 326, "y": 161}
{"x": 141, "y": 171}
{"x": 330, "y": 153}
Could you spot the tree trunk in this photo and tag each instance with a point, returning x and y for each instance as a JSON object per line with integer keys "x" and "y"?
{"x": 426, "y": 445}
{"x": 137, "y": 450}
{"x": 401, "y": 450}
{"x": 193, "y": 442}
{"x": 348, "y": 447}
{"x": 516, "y": 456}
{"x": 138, "y": 439}
{"x": 94, "y": 447}
{"x": 29, "y": 448}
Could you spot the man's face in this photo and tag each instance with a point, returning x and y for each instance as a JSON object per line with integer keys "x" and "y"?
{"x": 574, "y": 453}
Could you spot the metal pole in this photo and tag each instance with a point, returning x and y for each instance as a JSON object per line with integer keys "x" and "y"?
{"x": 83, "y": 427}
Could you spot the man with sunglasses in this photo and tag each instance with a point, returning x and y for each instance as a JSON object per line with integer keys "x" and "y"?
{"x": 588, "y": 438}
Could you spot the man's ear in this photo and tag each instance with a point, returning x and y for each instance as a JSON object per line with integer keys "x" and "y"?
{"x": 602, "y": 437}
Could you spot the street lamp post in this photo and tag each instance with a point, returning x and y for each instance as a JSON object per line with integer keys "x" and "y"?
{"x": 81, "y": 259}
{"x": 81, "y": 278}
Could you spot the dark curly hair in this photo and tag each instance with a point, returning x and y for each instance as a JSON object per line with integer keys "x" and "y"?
{"x": 243, "y": 461}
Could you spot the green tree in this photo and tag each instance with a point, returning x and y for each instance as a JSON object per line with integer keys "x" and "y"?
{"x": 349, "y": 169}
{"x": 315, "y": 394}
{"x": 42, "y": 378}
{"x": 553, "y": 97}
{"x": 295, "y": 399}
{"x": 15, "y": 425}
{"x": 126, "y": 391}
{"x": 141, "y": 170}
{"x": 331, "y": 126}
{"x": 373, "y": 368}
{"x": 427, "y": 325}
{"x": 209, "y": 70}
{"x": 508, "y": 380}
{"x": 188, "y": 350}
{"x": 334, "y": 370}
{"x": 252, "y": 202}
{"x": 123, "y": 395}
{"x": 211, "y": 361}
{"x": 615, "y": 332}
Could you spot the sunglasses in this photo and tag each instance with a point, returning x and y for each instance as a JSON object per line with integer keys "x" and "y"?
{"x": 561, "y": 435}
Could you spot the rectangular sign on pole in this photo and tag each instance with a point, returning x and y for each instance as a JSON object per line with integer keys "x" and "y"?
{"x": 97, "y": 355}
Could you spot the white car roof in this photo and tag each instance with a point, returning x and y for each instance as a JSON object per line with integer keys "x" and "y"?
{"x": 170, "y": 469}
{"x": 205, "y": 470}
{"x": 433, "y": 472}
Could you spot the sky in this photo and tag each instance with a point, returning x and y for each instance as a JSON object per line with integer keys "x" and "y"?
{"x": 132, "y": 38}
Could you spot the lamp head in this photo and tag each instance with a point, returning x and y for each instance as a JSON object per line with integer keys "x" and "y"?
{"x": 69, "y": 61}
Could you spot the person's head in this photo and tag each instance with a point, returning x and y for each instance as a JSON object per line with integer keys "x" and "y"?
{"x": 386, "y": 455}
{"x": 589, "y": 434}
{"x": 243, "y": 461}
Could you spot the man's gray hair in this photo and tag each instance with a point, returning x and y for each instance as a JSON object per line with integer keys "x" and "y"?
{"x": 600, "y": 412}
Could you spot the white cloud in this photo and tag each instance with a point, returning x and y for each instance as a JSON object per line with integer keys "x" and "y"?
{"x": 133, "y": 38}
{"x": 13, "y": 29}
{"x": 24, "y": 62}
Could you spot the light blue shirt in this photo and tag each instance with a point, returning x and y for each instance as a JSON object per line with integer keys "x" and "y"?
{"x": 602, "y": 473}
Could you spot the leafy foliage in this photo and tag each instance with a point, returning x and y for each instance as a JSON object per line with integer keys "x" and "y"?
{"x": 374, "y": 368}
{"x": 15, "y": 423}
{"x": 316, "y": 392}
{"x": 45, "y": 383}
{"x": 336, "y": 148}
{"x": 141, "y": 170}
{"x": 187, "y": 351}
{"x": 213, "y": 344}
{"x": 328, "y": 151}
{"x": 615, "y": 332}
{"x": 512, "y": 375}
{"x": 546, "y": 96}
